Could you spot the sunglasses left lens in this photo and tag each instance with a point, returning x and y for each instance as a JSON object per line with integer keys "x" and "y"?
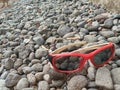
{"x": 67, "y": 63}
{"x": 102, "y": 56}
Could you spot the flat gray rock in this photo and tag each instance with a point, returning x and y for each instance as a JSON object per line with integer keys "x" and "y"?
{"x": 77, "y": 82}
{"x": 43, "y": 85}
{"x": 116, "y": 75}
{"x": 103, "y": 78}
{"x": 12, "y": 79}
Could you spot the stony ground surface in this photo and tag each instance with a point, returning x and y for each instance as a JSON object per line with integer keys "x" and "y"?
{"x": 10, "y": 3}
{"x": 30, "y": 24}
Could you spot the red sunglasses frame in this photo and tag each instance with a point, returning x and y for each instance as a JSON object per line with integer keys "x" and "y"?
{"x": 85, "y": 57}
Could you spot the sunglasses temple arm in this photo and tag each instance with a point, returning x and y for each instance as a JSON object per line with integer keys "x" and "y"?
{"x": 83, "y": 50}
{"x": 67, "y": 46}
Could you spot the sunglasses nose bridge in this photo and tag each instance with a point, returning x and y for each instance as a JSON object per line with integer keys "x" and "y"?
{"x": 88, "y": 56}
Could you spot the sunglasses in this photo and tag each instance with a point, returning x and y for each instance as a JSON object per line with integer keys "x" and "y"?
{"x": 74, "y": 61}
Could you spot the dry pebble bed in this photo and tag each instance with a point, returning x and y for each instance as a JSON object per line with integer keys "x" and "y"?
{"x": 31, "y": 24}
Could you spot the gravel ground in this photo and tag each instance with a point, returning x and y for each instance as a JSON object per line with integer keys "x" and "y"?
{"x": 30, "y": 24}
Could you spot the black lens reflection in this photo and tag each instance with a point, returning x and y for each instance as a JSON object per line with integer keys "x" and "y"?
{"x": 102, "y": 56}
{"x": 67, "y": 62}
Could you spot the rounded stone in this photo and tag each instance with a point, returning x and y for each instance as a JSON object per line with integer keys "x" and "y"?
{"x": 107, "y": 34}
{"x": 108, "y": 23}
{"x": 115, "y": 75}
{"x": 27, "y": 69}
{"x": 8, "y": 63}
{"x": 91, "y": 73}
{"x": 57, "y": 83}
{"x": 90, "y": 38}
{"x": 31, "y": 79}
{"x": 117, "y": 52}
{"x": 113, "y": 39}
{"x": 39, "y": 76}
{"x": 31, "y": 56}
{"x": 23, "y": 83}
{"x": 117, "y": 87}
{"x": 43, "y": 85}
{"x": 38, "y": 39}
{"x": 103, "y": 78}
{"x": 77, "y": 82}
{"x": 40, "y": 53}
{"x": 47, "y": 78}
{"x": 2, "y": 83}
{"x": 93, "y": 27}
{"x": 118, "y": 62}
{"x": 37, "y": 67}
{"x": 12, "y": 79}
{"x": 63, "y": 29}
{"x": 56, "y": 75}
{"x": 4, "y": 75}
{"x": 18, "y": 63}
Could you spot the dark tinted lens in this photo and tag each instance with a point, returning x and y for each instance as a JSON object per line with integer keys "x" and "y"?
{"x": 102, "y": 56}
{"x": 67, "y": 62}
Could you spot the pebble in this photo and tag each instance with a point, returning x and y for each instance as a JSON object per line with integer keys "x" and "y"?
{"x": 40, "y": 53}
{"x": 39, "y": 76}
{"x": 90, "y": 38}
{"x": 27, "y": 25}
{"x": 2, "y": 83}
{"x": 52, "y": 88}
{"x": 20, "y": 69}
{"x": 91, "y": 84}
{"x": 8, "y": 63}
{"x": 116, "y": 74}
{"x": 1, "y": 56}
{"x": 114, "y": 65}
{"x": 37, "y": 67}
{"x": 1, "y": 69}
{"x": 113, "y": 39}
{"x": 47, "y": 77}
{"x": 31, "y": 79}
{"x": 31, "y": 56}
{"x": 117, "y": 52}
{"x": 56, "y": 75}
{"x": 107, "y": 34}
{"x": 27, "y": 69}
{"x": 4, "y": 75}
{"x": 77, "y": 82}
{"x": 63, "y": 29}
{"x": 12, "y": 79}
{"x": 35, "y": 61}
{"x": 46, "y": 68}
{"x": 23, "y": 83}
{"x": 43, "y": 85}
{"x": 38, "y": 39}
{"x": 57, "y": 83}
{"x": 117, "y": 87}
{"x": 91, "y": 73}
{"x": 4, "y": 88}
{"x": 115, "y": 21}
{"x": 8, "y": 53}
{"x": 27, "y": 89}
{"x": 50, "y": 40}
{"x": 118, "y": 62}
{"x": 93, "y": 27}
{"x": 24, "y": 54}
{"x": 18, "y": 63}
{"x": 104, "y": 80}
{"x": 108, "y": 23}
{"x": 92, "y": 89}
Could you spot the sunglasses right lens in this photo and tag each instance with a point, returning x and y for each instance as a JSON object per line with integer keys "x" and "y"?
{"x": 67, "y": 63}
{"x": 102, "y": 56}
